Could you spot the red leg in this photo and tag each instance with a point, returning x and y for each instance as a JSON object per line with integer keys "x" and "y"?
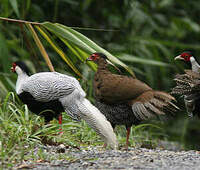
{"x": 127, "y": 136}
{"x": 60, "y": 123}
{"x": 104, "y": 145}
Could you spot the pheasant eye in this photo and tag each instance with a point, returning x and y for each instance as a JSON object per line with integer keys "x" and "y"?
{"x": 186, "y": 56}
{"x": 94, "y": 57}
{"x": 14, "y": 65}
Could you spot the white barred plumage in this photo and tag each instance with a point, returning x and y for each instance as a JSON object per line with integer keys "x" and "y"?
{"x": 46, "y": 88}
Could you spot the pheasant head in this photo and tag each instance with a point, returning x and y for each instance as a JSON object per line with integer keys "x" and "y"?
{"x": 97, "y": 58}
{"x": 187, "y": 56}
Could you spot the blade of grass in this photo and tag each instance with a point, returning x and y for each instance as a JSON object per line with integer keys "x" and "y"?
{"x": 3, "y": 90}
{"x": 146, "y": 125}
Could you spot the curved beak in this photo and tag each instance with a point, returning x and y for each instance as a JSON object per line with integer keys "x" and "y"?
{"x": 88, "y": 59}
{"x": 178, "y": 58}
{"x": 12, "y": 69}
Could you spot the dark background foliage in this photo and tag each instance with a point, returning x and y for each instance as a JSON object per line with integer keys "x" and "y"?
{"x": 138, "y": 32}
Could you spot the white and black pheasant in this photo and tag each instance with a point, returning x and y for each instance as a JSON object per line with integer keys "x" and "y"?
{"x": 188, "y": 84}
{"x": 50, "y": 93}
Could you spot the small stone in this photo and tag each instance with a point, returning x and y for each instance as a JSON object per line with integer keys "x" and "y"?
{"x": 84, "y": 163}
{"x": 61, "y": 148}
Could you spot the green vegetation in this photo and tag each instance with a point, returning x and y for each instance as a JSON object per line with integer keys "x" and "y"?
{"x": 145, "y": 35}
{"x": 21, "y": 133}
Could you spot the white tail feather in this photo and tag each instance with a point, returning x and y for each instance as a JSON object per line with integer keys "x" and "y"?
{"x": 98, "y": 122}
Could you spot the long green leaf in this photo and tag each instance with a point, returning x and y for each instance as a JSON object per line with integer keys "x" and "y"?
{"x": 131, "y": 58}
{"x": 4, "y": 51}
{"x": 96, "y": 47}
{"x": 60, "y": 32}
{"x": 85, "y": 56}
{"x": 58, "y": 50}
{"x": 3, "y": 90}
{"x": 168, "y": 43}
{"x": 15, "y": 7}
{"x": 40, "y": 46}
{"x": 79, "y": 53}
{"x": 81, "y": 41}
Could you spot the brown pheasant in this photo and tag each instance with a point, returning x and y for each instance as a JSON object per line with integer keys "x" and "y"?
{"x": 126, "y": 100}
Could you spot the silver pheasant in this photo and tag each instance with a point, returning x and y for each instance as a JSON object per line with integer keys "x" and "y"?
{"x": 40, "y": 89}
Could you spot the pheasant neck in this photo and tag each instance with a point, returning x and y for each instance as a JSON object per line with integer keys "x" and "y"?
{"x": 20, "y": 80}
{"x": 195, "y": 65}
{"x": 102, "y": 65}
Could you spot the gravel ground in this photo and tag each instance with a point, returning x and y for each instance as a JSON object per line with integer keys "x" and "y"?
{"x": 96, "y": 158}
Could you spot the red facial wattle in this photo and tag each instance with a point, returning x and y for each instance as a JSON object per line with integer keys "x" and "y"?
{"x": 13, "y": 67}
{"x": 186, "y": 56}
{"x": 93, "y": 57}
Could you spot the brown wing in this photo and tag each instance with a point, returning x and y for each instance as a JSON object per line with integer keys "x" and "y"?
{"x": 112, "y": 88}
{"x": 153, "y": 103}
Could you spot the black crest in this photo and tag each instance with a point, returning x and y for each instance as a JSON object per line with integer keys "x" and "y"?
{"x": 23, "y": 66}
